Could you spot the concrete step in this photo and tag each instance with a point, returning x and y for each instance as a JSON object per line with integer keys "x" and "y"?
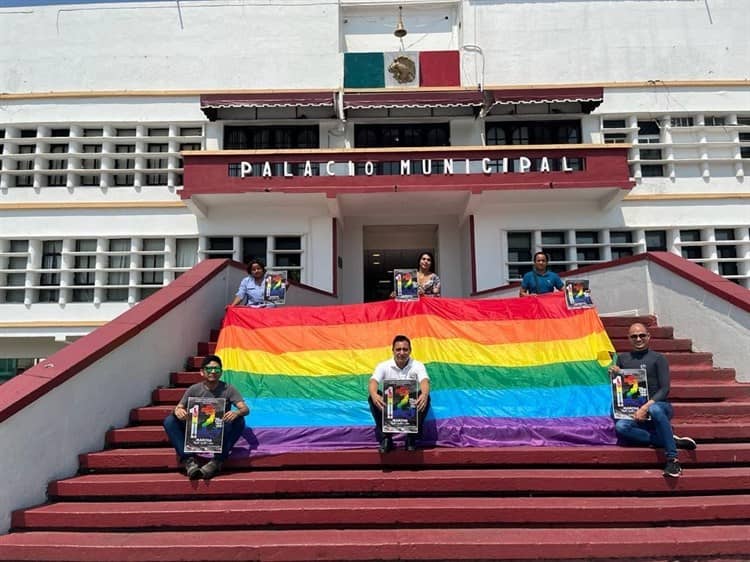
{"x": 379, "y": 482}
{"x": 150, "y": 435}
{"x": 627, "y": 321}
{"x": 663, "y": 346}
{"x": 164, "y": 458}
{"x": 657, "y": 332}
{"x": 437, "y": 544}
{"x": 379, "y": 512}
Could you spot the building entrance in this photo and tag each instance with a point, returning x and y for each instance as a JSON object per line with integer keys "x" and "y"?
{"x": 393, "y": 247}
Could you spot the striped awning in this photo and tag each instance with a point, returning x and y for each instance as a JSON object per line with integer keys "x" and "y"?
{"x": 423, "y": 99}
{"x": 547, "y": 95}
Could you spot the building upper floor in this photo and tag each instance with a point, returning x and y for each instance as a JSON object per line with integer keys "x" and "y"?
{"x": 127, "y": 45}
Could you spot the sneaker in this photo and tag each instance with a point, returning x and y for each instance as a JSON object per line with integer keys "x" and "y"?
{"x": 386, "y": 444}
{"x": 191, "y": 467}
{"x": 411, "y": 443}
{"x": 211, "y": 469}
{"x": 686, "y": 443}
{"x": 672, "y": 468}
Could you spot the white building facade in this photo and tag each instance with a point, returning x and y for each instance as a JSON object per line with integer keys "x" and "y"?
{"x": 139, "y": 138}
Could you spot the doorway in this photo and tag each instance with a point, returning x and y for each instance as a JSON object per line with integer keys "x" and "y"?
{"x": 393, "y": 247}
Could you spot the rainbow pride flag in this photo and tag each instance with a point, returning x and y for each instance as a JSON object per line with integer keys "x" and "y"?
{"x": 502, "y": 371}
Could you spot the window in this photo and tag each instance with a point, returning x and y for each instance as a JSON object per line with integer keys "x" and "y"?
{"x": 287, "y": 254}
{"x": 624, "y": 237}
{"x": 118, "y": 265}
{"x": 158, "y": 132}
{"x": 648, "y": 129}
{"x": 239, "y": 137}
{"x": 57, "y": 180}
{"x": 25, "y": 164}
{"x": 690, "y": 252}
{"x": 181, "y": 163}
{"x": 533, "y": 132}
{"x": 745, "y": 150}
{"x": 157, "y": 163}
{"x": 59, "y": 132}
{"x": 121, "y": 163}
{"x": 153, "y": 262}
{"x": 384, "y": 136}
{"x": 186, "y": 253}
{"x": 519, "y": 251}
{"x": 652, "y": 170}
{"x": 91, "y": 164}
{"x": 191, "y": 131}
{"x": 584, "y": 238}
{"x": 656, "y": 241}
{"x": 615, "y": 138}
{"x": 550, "y": 239}
{"x": 614, "y": 124}
{"x": 28, "y": 133}
{"x": 650, "y": 153}
{"x": 50, "y": 266}
{"x": 714, "y": 121}
{"x": 743, "y": 120}
{"x": 220, "y": 248}
{"x": 93, "y": 132}
{"x": 682, "y": 121}
{"x": 16, "y": 275}
{"x": 129, "y": 132}
{"x": 84, "y": 270}
{"x": 253, "y": 248}
{"x": 726, "y": 252}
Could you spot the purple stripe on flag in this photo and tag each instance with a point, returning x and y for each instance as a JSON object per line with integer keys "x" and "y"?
{"x": 453, "y": 432}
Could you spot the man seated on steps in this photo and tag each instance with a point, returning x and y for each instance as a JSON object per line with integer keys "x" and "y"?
{"x": 234, "y": 422}
{"x": 402, "y": 366}
{"x": 657, "y": 431}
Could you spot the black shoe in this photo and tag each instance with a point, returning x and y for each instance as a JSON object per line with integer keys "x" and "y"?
{"x": 192, "y": 468}
{"x": 411, "y": 443}
{"x": 211, "y": 469}
{"x": 672, "y": 468}
{"x": 686, "y": 443}
{"x": 386, "y": 444}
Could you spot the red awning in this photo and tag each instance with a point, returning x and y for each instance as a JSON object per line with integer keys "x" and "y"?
{"x": 547, "y": 95}
{"x": 416, "y": 99}
{"x": 268, "y": 99}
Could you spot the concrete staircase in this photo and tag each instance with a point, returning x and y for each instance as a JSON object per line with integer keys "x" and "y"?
{"x": 518, "y": 503}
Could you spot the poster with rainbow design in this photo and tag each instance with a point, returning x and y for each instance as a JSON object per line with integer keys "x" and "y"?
{"x": 502, "y": 372}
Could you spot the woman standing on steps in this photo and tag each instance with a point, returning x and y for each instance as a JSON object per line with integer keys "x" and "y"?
{"x": 427, "y": 280}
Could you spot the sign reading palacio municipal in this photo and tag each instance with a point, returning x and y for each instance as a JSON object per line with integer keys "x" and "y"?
{"x": 426, "y": 167}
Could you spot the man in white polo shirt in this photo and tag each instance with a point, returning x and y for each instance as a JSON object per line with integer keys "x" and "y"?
{"x": 402, "y": 366}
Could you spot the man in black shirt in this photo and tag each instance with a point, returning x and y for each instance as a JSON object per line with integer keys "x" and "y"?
{"x": 656, "y": 431}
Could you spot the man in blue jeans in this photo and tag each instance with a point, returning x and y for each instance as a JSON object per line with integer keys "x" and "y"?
{"x": 234, "y": 420}
{"x": 656, "y": 431}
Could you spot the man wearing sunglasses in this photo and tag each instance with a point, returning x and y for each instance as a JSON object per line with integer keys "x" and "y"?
{"x": 651, "y": 425}
{"x": 234, "y": 422}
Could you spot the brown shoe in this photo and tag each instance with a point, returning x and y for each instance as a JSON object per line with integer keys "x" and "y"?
{"x": 211, "y": 469}
{"x": 192, "y": 468}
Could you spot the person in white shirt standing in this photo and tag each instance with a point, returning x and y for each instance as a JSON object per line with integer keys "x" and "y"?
{"x": 402, "y": 366}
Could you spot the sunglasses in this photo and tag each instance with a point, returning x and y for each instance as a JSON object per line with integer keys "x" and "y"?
{"x": 638, "y": 336}
{"x": 212, "y": 369}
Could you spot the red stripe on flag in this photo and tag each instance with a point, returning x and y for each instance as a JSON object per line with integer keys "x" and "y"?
{"x": 439, "y": 68}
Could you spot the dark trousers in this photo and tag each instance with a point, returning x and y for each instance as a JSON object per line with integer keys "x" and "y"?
{"x": 176, "y": 432}
{"x": 377, "y": 415}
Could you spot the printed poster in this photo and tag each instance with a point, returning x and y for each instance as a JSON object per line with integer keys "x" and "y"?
{"x": 400, "y": 411}
{"x": 275, "y": 290}
{"x": 578, "y": 294}
{"x": 405, "y": 281}
{"x": 629, "y": 392}
{"x": 204, "y": 430}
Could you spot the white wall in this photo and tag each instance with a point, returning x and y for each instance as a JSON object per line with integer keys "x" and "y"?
{"x": 40, "y": 448}
{"x": 199, "y": 45}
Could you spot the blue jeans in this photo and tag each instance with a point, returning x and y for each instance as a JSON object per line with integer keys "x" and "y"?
{"x": 176, "y": 432}
{"x": 656, "y": 432}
